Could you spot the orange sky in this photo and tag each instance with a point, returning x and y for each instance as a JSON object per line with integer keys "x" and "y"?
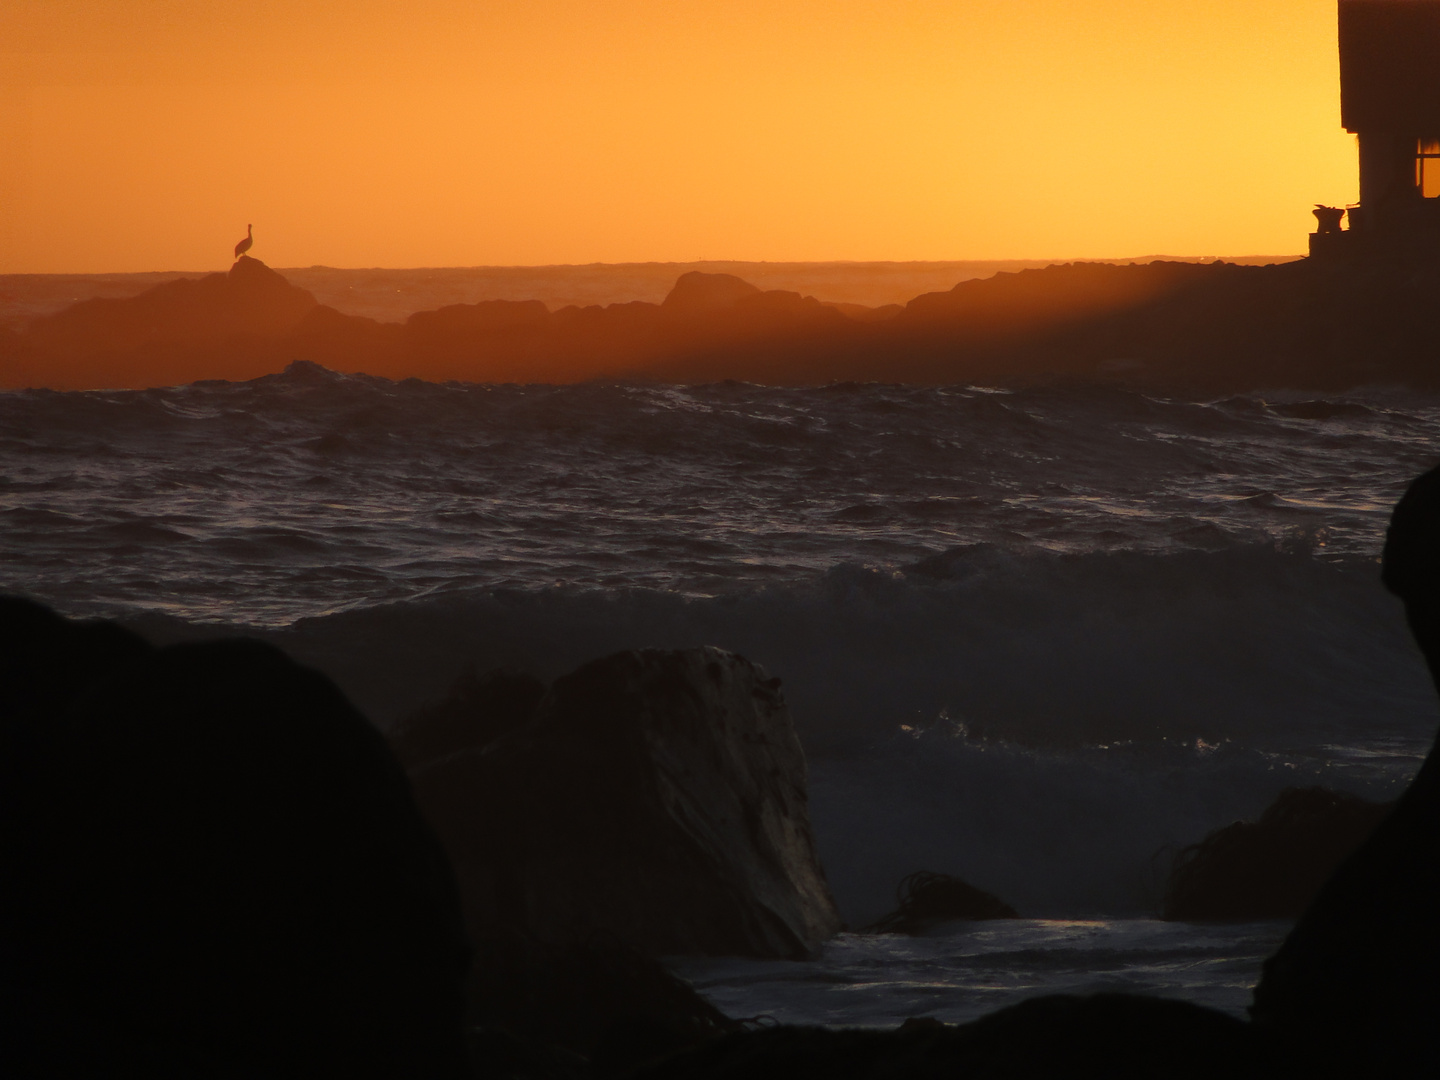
{"x": 145, "y": 134}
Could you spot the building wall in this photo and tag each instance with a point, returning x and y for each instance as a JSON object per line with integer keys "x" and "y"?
{"x": 1390, "y": 66}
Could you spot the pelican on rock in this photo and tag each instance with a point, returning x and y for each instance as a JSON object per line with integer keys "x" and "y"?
{"x": 244, "y": 245}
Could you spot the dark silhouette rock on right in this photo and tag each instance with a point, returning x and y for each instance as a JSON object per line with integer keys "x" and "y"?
{"x": 1354, "y": 990}
{"x": 1271, "y": 868}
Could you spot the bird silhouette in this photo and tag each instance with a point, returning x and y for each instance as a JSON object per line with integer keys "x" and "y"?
{"x": 244, "y": 245}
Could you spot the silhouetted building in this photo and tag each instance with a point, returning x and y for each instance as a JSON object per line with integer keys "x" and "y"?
{"x": 1390, "y": 99}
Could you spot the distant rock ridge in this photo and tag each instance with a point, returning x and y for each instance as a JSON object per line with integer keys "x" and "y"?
{"x": 1177, "y": 326}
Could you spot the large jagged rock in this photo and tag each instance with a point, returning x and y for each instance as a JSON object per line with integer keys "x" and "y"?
{"x": 659, "y": 798}
{"x": 1353, "y": 991}
{"x": 1271, "y": 868}
{"x": 213, "y": 867}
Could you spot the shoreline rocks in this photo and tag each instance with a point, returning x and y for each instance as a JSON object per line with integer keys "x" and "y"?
{"x": 1173, "y": 327}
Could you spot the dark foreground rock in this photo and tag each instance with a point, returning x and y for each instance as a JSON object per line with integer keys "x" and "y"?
{"x": 478, "y": 710}
{"x": 213, "y": 866}
{"x": 601, "y": 1005}
{"x": 659, "y": 799}
{"x": 1271, "y": 868}
{"x": 926, "y": 898}
{"x": 1115, "y": 1036}
{"x": 1354, "y": 988}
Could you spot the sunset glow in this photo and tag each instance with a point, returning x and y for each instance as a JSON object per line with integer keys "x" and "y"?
{"x": 146, "y": 134}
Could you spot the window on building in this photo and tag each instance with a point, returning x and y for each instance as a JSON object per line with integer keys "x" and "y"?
{"x": 1427, "y": 167}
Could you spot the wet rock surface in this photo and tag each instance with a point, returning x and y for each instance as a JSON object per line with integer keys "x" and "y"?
{"x": 659, "y": 798}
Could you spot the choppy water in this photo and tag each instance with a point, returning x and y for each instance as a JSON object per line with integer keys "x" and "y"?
{"x": 1037, "y": 637}
{"x": 960, "y": 972}
{"x": 309, "y": 492}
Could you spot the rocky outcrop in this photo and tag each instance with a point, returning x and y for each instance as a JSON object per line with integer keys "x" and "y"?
{"x": 1353, "y": 990}
{"x": 213, "y": 867}
{"x": 599, "y": 1000}
{"x": 249, "y": 299}
{"x": 221, "y": 326}
{"x": 1194, "y": 327}
{"x": 659, "y": 798}
{"x": 699, "y": 293}
{"x": 1271, "y": 868}
{"x": 926, "y": 898}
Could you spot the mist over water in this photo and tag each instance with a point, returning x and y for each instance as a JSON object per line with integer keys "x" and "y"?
{"x": 1037, "y": 637}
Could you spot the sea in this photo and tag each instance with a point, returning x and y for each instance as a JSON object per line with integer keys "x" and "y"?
{"x": 1039, "y": 636}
